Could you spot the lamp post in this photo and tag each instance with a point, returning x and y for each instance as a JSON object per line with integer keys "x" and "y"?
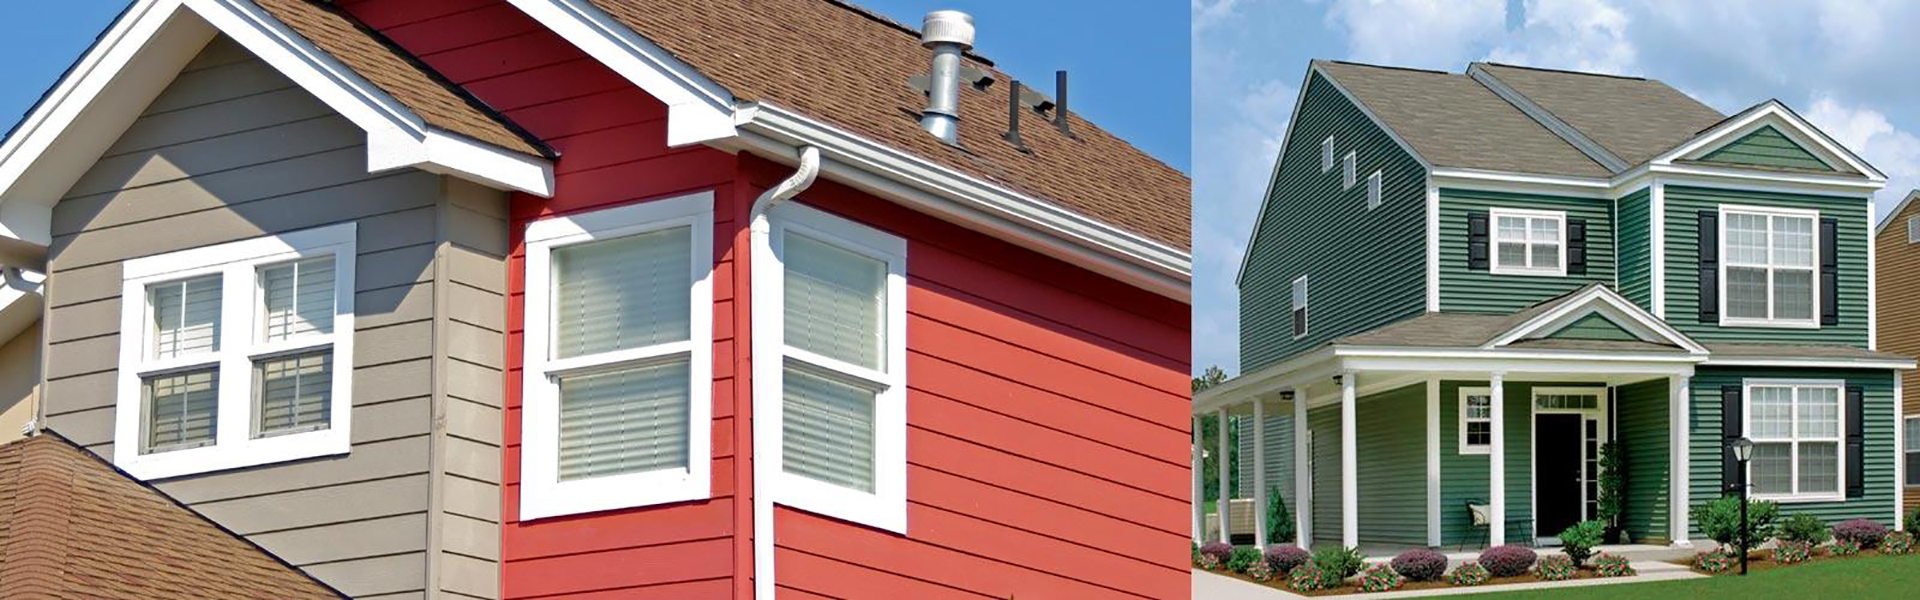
{"x": 1742, "y": 450}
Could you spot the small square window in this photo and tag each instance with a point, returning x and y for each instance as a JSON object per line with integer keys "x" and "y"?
{"x": 1476, "y": 420}
{"x": 1529, "y": 242}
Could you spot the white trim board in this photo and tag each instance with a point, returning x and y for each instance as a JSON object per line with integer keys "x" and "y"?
{"x": 698, "y": 110}
{"x": 138, "y": 56}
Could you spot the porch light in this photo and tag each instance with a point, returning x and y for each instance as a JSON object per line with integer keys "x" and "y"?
{"x": 1742, "y": 451}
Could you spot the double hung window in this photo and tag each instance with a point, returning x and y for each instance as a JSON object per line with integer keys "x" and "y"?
{"x": 1770, "y": 268}
{"x": 1529, "y": 242}
{"x": 1797, "y": 429}
{"x": 1476, "y": 420}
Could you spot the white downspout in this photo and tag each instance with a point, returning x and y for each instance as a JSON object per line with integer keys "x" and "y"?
{"x": 765, "y": 395}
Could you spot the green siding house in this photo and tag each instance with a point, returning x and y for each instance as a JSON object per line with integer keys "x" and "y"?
{"x": 1463, "y": 288}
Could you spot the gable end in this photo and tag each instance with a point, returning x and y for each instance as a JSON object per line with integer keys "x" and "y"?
{"x": 1767, "y": 147}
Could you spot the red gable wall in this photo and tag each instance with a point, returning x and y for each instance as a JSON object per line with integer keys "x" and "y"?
{"x": 1047, "y": 406}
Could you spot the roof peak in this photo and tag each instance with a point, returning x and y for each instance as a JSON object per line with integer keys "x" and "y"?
{"x": 1551, "y": 70}
{"x": 1379, "y": 66}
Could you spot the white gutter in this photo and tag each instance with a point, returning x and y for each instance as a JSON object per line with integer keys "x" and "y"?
{"x": 764, "y": 395}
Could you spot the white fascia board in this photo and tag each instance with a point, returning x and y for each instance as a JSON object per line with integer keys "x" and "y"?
{"x": 698, "y": 110}
{"x": 1772, "y": 112}
{"x": 976, "y": 203}
{"x": 1526, "y": 183}
{"x": 1605, "y": 301}
{"x": 1820, "y": 363}
{"x": 1273, "y": 378}
{"x": 140, "y": 55}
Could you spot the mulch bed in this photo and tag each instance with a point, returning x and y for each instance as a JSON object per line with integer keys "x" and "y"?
{"x": 1353, "y": 587}
{"x": 1762, "y": 560}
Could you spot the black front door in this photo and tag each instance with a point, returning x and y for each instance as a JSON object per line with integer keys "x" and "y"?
{"x": 1556, "y": 471}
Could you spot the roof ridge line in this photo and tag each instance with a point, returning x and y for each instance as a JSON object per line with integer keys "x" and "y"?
{"x": 1380, "y": 66}
{"x": 1566, "y": 71}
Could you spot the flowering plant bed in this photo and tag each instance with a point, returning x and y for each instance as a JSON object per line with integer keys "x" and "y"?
{"x": 1353, "y": 585}
{"x": 1780, "y": 557}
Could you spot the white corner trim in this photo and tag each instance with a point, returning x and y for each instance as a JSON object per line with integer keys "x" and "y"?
{"x": 1657, "y": 248}
{"x": 886, "y": 507}
{"x": 698, "y": 110}
{"x": 542, "y": 493}
{"x": 973, "y": 202}
{"x": 234, "y": 445}
{"x": 1873, "y": 278}
{"x": 1433, "y": 245}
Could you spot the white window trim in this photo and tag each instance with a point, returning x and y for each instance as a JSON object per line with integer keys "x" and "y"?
{"x": 1326, "y": 154}
{"x": 1374, "y": 191}
{"x": 1349, "y": 171}
{"x": 1728, "y": 321}
{"x": 1461, "y": 422}
{"x": 1306, "y": 291}
{"x": 542, "y": 494}
{"x": 1910, "y": 427}
{"x": 237, "y": 263}
{"x": 1840, "y": 439}
{"x": 1559, "y": 269}
{"x": 886, "y": 507}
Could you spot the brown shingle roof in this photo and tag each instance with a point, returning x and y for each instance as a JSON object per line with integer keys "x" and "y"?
{"x": 437, "y": 101}
{"x": 1636, "y": 119}
{"x": 1453, "y": 121}
{"x": 843, "y": 65}
{"x": 72, "y": 526}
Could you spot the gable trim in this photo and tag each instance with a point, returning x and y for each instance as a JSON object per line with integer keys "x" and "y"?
{"x": 1893, "y": 214}
{"x": 139, "y": 55}
{"x": 1603, "y": 300}
{"x": 1788, "y": 123}
{"x": 698, "y": 110}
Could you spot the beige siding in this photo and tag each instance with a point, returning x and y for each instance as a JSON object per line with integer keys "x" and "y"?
{"x": 19, "y": 381}
{"x": 1897, "y": 279}
{"x": 232, "y": 151}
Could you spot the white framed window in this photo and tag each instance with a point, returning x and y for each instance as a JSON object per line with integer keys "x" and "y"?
{"x": 830, "y": 315}
{"x": 1326, "y": 154}
{"x": 1300, "y": 307}
{"x": 1476, "y": 420}
{"x": 1912, "y": 451}
{"x": 1529, "y": 242}
{"x": 1373, "y": 191}
{"x": 1913, "y": 229}
{"x": 1769, "y": 267}
{"x": 617, "y": 393}
{"x": 1797, "y": 428}
{"x": 1349, "y": 171}
{"x": 236, "y": 355}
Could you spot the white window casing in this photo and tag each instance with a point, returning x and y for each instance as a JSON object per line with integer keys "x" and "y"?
{"x": 1373, "y": 191}
{"x": 1326, "y": 154}
{"x": 1775, "y": 254}
{"x": 1476, "y": 420}
{"x": 1913, "y": 229}
{"x": 236, "y": 355}
{"x": 617, "y": 394}
{"x": 1528, "y": 242}
{"x": 837, "y": 391}
{"x": 1911, "y": 449}
{"x": 1299, "y": 311}
{"x": 1349, "y": 171}
{"x": 1798, "y": 428}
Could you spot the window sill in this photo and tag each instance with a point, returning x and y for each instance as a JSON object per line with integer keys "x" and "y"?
{"x": 222, "y": 457}
{"x": 1800, "y": 499}
{"x": 873, "y": 510}
{"x": 1476, "y": 450}
{"x": 1527, "y": 272}
{"x": 615, "y": 492}
{"x": 1770, "y": 324}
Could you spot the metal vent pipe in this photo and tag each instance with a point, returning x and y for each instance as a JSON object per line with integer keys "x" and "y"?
{"x": 949, "y": 33}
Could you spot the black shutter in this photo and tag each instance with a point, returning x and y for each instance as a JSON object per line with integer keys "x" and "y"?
{"x": 1732, "y": 426}
{"x": 1477, "y": 241}
{"x": 1829, "y": 271}
{"x": 1709, "y": 267}
{"x": 1576, "y": 246}
{"x": 1856, "y": 443}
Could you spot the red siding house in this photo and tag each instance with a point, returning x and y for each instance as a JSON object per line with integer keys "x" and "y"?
{"x": 969, "y": 307}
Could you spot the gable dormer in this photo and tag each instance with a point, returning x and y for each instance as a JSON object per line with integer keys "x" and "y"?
{"x": 1767, "y": 147}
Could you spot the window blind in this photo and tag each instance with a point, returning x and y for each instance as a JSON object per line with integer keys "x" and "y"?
{"x": 186, "y": 316}
{"x": 623, "y": 293}
{"x": 298, "y": 298}
{"x": 294, "y": 393}
{"x": 827, "y": 430}
{"x": 627, "y": 421}
{"x": 181, "y": 409}
{"x": 835, "y": 302}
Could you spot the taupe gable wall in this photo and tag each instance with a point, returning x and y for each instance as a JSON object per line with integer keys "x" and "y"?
{"x": 231, "y": 151}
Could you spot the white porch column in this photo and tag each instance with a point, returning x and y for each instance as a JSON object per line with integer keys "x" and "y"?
{"x": 1349, "y": 464}
{"x": 1199, "y": 475}
{"x": 1302, "y": 473}
{"x": 1497, "y": 463}
{"x": 1679, "y": 492}
{"x": 1259, "y": 474}
{"x": 1225, "y": 469}
{"x": 1433, "y": 463}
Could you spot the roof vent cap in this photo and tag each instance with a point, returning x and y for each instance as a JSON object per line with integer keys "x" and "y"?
{"x": 947, "y": 27}
{"x": 949, "y": 33}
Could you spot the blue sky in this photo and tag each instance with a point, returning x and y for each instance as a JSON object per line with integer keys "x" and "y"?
{"x": 1128, "y": 68}
{"x": 1844, "y": 64}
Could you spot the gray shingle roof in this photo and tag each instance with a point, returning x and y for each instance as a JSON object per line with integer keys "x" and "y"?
{"x": 1798, "y": 351}
{"x": 1636, "y": 119}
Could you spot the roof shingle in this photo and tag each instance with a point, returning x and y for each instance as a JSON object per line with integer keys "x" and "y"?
{"x": 1636, "y": 119}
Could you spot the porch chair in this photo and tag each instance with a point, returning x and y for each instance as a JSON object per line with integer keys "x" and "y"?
{"x": 1478, "y": 517}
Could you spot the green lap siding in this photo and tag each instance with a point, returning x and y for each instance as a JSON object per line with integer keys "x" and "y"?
{"x": 1633, "y": 240}
{"x": 1311, "y": 226}
{"x": 1468, "y": 290}
{"x": 1704, "y": 453}
{"x": 1592, "y": 327}
{"x": 1463, "y": 477}
{"x": 1683, "y": 265}
{"x": 1325, "y": 423}
{"x": 1641, "y": 411}
{"x": 1390, "y": 429}
{"x": 1766, "y": 147}
{"x": 1279, "y": 460}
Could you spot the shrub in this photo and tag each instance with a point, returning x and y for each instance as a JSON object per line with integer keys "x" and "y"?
{"x": 1805, "y": 528}
{"x": 1608, "y": 565}
{"x": 1260, "y": 571}
{"x": 1279, "y": 522}
{"x": 1720, "y": 519}
{"x": 1578, "y": 540}
{"x": 1715, "y": 562}
{"x": 1339, "y": 563}
{"x": 1846, "y": 548}
{"x": 1220, "y": 551}
{"x": 1420, "y": 564}
{"x": 1864, "y": 532}
{"x": 1380, "y": 578}
{"x": 1613, "y": 483}
{"x": 1898, "y": 542}
{"x": 1284, "y": 558}
{"x": 1468, "y": 573}
{"x": 1243, "y": 557}
{"x": 1555, "y": 567}
{"x": 1508, "y": 561}
{"x": 1208, "y": 562}
{"x": 1789, "y": 552}
{"x": 1310, "y": 577}
{"x": 1913, "y": 521}
{"x": 1196, "y": 553}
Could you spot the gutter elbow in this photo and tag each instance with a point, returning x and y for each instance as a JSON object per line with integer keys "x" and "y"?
{"x": 801, "y": 179}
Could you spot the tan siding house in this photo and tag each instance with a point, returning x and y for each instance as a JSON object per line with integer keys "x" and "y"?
{"x": 1897, "y": 243}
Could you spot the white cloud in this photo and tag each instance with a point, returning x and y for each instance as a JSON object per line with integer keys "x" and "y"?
{"x": 1869, "y": 133}
{"x": 1433, "y": 34}
{"x": 1231, "y": 168}
{"x": 1580, "y": 35}
{"x": 1207, "y": 14}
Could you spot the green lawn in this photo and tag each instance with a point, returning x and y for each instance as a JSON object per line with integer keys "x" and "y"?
{"x": 1869, "y": 577}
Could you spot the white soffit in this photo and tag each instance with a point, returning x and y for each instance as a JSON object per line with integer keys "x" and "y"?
{"x": 139, "y": 55}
